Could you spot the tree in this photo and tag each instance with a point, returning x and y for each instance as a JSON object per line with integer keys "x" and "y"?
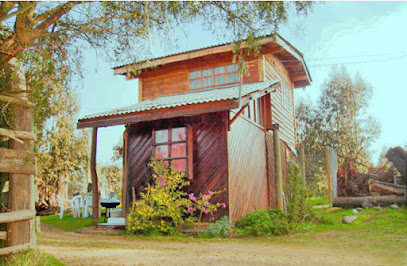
{"x": 62, "y": 153}
{"x": 47, "y": 38}
{"x": 340, "y": 120}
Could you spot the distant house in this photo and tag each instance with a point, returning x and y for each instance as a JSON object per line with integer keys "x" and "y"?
{"x": 193, "y": 112}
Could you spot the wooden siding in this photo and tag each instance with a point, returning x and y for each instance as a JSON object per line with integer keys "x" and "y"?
{"x": 248, "y": 182}
{"x": 174, "y": 78}
{"x": 281, "y": 115}
{"x": 210, "y": 159}
{"x": 210, "y": 163}
{"x": 140, "y": 151}
{"x": 271, "y": 170}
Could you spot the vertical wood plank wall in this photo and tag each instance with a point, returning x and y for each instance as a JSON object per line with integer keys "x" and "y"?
{"x": 247, "y": 168}
{"x": 274, "y": 69}
{"x": 209, "y": 157}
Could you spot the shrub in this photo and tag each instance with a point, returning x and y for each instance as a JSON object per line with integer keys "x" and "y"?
{"x": 220, "y": 227}
{"x": 163, "y": 205}
{"x": 298, "y": 198}
{"x": 264, "y": 223}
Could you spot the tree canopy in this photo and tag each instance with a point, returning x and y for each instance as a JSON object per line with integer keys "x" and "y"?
{"x": 339, "y": 119}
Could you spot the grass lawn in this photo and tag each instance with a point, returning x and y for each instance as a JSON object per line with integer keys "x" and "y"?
{"x": 68, "y": 223}
{"x": 31, "y": 257}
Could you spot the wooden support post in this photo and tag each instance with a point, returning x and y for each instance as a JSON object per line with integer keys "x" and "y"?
{"x": 279, "y": 172}
{"x": 95, "y": 185}
{"x": 20, "y": 185}
{"x": 125, "y": 171}
{"x": 301, "y": 162}
{"x": 328, "y": 173}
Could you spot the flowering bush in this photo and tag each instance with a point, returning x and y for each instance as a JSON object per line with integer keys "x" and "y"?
{"x": 164, "y": 205}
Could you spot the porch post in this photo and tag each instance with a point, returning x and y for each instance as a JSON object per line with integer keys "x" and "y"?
{"x": 279, "y": 173}
{"x": 95, "y": 185}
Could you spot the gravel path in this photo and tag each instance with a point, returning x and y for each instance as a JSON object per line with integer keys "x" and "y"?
{"x": 86, "y": 249}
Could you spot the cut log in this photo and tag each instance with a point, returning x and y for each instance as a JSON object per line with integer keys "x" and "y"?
{"x": 370, "y": 201}
{"x": 386, "y": 187}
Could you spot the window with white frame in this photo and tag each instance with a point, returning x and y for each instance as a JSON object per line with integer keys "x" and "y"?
{"x": 213, "y": 76}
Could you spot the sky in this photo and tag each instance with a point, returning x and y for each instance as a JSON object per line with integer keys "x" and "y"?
{"x": 368, "y": 38}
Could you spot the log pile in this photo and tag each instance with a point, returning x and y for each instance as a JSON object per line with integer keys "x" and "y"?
{"x": 379, "y": 187}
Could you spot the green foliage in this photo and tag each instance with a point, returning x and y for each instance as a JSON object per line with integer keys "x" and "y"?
{"x": 163, "y": 205}
{"x": 298, "y": 200}
{"x": 264, "y": 223}
{"x": 339, "y": 121}
{"x": 220, "y": 228}
{"x": 62, "y": 155}
{"x": 113, "y": 175}
{"x": 30, "y": 258}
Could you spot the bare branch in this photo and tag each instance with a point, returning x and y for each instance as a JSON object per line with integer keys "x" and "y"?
{"x": 54, "y": 17}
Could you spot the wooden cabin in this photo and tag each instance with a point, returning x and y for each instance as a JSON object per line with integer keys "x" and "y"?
{"x": 194, "y": 112}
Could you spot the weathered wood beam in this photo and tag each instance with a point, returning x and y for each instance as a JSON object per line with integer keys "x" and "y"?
{"x": 20, "y": 185}
{"x": 238, "y": 114}
{"x": 18, "y": 136}
{"x": 15, "y": 101}
{"x": 16, "y": 162}
{"x": 14, "y": 249}
{"x": 95, "y": 185}
{"x": 369, "y": 201}
{"x": 278, "y": 167}
{"x": 328, "y": 173}
{"x": 15, "y": 216}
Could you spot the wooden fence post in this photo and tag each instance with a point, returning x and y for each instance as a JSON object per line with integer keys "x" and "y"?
{"x": 301, "y": 162}
{"x": 95, "y": 185}
{"x": 20, "y": 185}
{"x": 328, "y": 173}
{"x": 279, "y": 173}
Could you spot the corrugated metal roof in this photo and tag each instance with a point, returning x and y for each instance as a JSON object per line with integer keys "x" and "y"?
{"x": 187, "y": 51}
{"x": 213, "y": 94}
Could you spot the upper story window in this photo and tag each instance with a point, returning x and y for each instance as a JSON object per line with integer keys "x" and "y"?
{"x": 172, "y": 147}
{"x": 213, "y": 76}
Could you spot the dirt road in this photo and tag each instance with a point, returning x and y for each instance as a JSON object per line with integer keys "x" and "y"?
{"x": 86, "y": 249}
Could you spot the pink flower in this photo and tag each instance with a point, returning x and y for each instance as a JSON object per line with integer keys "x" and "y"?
{"x": 189, "y": 208}
{"x": 205, "y": 196}
{"x": 223, "y": 205}
{"x": 194, "y": 208}
{"x": 206, "y": 212}
{"x": 203, "y": 208}
{"x": 211, "y": 213}
{"x": 191, "y": 196}
{"x": 209, "y": 192}
{"x": 206, "y": 203}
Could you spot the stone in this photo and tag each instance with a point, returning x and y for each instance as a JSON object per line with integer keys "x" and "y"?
{"x": 349, "y": 219}
{"x": 377, "y": 207}
{"x": 359, "y": 209}
{"x": 354, "y": 211}
{"x": 394, "y": 206}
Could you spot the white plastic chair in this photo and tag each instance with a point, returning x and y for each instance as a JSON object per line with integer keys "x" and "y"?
{"x": 77, "y": 205}
{"x": 62, "y": 208}
{"x": 88, "y": 204}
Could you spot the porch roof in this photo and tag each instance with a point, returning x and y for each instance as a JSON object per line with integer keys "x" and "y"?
{"x": 194, "y": 102}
